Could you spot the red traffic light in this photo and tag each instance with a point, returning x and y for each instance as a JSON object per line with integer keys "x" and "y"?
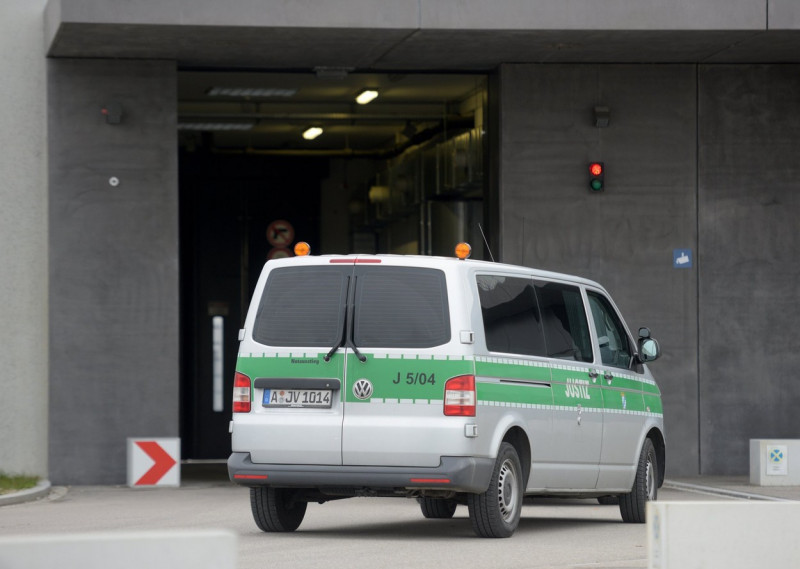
{"x": 597, "y": 172}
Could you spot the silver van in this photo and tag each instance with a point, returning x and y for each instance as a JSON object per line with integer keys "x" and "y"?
{"x": 450, "y": 381}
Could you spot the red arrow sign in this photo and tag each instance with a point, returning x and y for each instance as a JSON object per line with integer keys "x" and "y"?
{"x": 163, "y": 462}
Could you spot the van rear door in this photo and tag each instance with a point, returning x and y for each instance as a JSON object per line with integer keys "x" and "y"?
{"x": 397, "y": 368}
{"x": 296, "y": 367}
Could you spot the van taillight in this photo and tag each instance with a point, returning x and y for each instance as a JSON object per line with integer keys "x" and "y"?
{"x": 459, "y": 396}
{"x": 241, "y": 393}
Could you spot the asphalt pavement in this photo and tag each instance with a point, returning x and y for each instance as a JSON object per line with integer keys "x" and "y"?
{"x": 354, "y": 534}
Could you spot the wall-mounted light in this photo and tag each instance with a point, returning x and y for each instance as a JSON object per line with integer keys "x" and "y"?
{"x": 366, "y": 96}
{"x": 602, "y": 117}
{"x": 312, "y": 133}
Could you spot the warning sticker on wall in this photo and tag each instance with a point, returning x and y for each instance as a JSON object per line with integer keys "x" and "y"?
{"x": 777, "y": 460}
{"x": 682, "y": 259}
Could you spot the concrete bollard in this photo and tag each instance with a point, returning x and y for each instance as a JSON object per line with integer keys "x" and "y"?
{"x": 174, "y": 549}
{"x": 775, "y": 462}
{"x": 724, "y": 535}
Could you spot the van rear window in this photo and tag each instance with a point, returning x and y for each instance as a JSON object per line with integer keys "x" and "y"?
{"x": 401, "y": 307}
{"x": 302, "y": 306}
{"x": 395, "y": 307}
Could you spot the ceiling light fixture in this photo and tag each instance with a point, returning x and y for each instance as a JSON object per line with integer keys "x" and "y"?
{"x": 215, "y": 125}
{"x": 366, "y": 96}
{"x": 312, "y": 133}
{"x": 338, "y": 73}
{"x": 264, "y": 92}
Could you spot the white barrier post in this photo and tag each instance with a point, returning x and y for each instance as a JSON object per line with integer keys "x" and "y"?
{"x": 172, "y": 549}
{"x": 724, "y": 535}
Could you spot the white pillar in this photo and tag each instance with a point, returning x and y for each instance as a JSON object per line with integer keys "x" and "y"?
{"x": 23, "y": 239}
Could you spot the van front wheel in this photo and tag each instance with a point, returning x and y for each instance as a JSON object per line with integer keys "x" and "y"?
{"x": 495, "y": 513}
{"x": 645, "y": 487}
{"x": 276, "y": 509}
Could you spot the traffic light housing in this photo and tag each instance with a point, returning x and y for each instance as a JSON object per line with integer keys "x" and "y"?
{"x": 597, "y": 172}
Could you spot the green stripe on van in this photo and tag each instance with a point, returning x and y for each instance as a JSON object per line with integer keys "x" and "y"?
{"x": 512, "y": 369}
{"x": 514, "y": 393}
{"x": 292, "y": 364}
{"x": 398, "y": 378}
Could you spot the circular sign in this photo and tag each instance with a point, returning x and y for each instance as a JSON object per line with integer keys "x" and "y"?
{"x": 280, "y": 233}
{"x": 278, "y": 253}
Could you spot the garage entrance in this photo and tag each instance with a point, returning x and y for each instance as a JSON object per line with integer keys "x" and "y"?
{"x": 269, "y": 159}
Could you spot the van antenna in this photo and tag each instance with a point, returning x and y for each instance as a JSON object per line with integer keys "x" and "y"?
{"x": 486, "y": 242}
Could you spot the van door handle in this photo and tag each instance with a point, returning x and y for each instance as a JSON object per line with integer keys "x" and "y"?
{"x": 593, "y": 374}
{"x": 608, "y": 377}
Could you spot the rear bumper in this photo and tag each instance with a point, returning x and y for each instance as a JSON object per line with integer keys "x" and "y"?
{"x": 456, "y": 473}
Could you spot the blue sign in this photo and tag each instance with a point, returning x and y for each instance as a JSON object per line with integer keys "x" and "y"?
{"x": 681, "y": 258}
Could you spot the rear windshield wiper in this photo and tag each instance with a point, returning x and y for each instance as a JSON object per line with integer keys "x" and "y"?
{"x": 340, "y": 339}
{"x": 361, "y": 357}
{"x": 351, "y": 340}
{"x": 348, "y": 315}
{"x": 336, "y": 346}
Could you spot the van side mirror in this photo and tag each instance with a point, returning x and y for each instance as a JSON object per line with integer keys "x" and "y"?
{"x": 649, "y": 349}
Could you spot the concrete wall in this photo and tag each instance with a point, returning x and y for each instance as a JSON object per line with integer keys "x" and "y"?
{"x": 703, "y": 158}
{"x": 624, "y": 237}
{"x": 749, "y": 188}
{"x": 23, "y": 240}
{"x": 113, "y": 264}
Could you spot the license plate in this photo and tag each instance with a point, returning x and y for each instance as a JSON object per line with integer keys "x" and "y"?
{"x": 316, "y": 398}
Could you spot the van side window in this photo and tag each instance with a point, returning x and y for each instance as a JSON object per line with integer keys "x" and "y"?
{"x": 511, "y": 319}
{"x": 302, "y": 306}
{"x": 615, "y": 349}
{"x": 401, "y": 307}
{"x": 566, "y": 329}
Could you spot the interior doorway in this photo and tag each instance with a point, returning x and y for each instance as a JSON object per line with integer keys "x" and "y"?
{"x": 403, "y": 174}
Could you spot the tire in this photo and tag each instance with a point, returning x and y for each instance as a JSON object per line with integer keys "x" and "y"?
{"x": 608, "y": 500}
{"x": 495, "y": 513}
{"x": 436, "y": 508}
{"x": 632, "y": 506}
{"x": 275, "y": 509}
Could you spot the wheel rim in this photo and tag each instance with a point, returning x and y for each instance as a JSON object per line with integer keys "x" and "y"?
{"x": 650, "y": 481}
{"x": 507, "y": 491}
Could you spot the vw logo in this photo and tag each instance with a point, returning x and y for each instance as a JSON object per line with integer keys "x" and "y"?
{"x": 362, "y": 389}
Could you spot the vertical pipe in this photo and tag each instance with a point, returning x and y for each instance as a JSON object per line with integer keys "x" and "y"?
{"x": 217, "y": 327}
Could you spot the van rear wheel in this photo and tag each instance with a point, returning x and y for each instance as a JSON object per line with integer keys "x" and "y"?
{"x": 276, "y": 509}
{"x": 437, "y": 508}
{"x": 645, "y": 487}
{"x": 495, "y": 513}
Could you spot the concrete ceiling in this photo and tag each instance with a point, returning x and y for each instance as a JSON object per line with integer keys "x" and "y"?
{"x": 391, "y": 59}
{"x": 409, "y": 109}
{"x": 416, "y": 49}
